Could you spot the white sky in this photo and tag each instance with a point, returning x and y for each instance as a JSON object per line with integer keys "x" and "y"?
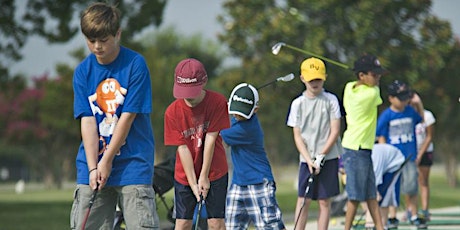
{"x": 188, "y": 17}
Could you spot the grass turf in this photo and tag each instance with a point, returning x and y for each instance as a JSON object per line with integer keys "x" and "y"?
{"x": 39, "y": 208}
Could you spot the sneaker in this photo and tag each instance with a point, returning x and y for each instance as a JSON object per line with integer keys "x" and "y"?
{"x": 425, "y": 214}
{"x": 393, "y": 223}
{"x": 420, "y": 223}
{"x": 409, "y": 216}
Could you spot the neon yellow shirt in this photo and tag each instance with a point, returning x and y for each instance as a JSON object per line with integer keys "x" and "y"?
{"x": 360, "y": 104}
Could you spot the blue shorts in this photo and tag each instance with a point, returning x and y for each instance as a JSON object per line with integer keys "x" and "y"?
{"x": 409, "y": 179}
{"x": 390, "y": 189}
{"x": 360, "y": 185}
{"x": 325, "y": 185}
{"x": 253, "y": 203}
{"x": 185, "y": 201}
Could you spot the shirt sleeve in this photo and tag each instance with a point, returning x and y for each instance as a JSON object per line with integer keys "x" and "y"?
{"x": 219, "y": 119}
{"x": 236, "y": 135}
{"x": 81, "y": 105}
{"x": 335, "y": 107}
{"x": 172, "y": 132}
{"x": 139, "y": 96}
{"x": 382, "y": 124}
{"x": 293, "y": 117}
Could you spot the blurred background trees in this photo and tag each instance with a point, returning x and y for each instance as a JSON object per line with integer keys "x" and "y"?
{"x": 38, "y": 132}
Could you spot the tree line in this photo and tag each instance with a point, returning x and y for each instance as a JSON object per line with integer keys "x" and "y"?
{"x": 37, "y": 125}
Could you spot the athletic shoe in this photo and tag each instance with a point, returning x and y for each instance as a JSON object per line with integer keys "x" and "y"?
{"x": 409, "y": 216}
{"x": 420, "y": 223}
{"x": 393, "y": 223}
{"x": 425, "y": 214}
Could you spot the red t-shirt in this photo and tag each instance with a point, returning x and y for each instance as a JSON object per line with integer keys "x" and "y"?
{"x": 186, "y": 125}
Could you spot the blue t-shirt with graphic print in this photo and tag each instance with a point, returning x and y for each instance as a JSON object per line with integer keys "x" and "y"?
{"x": 105, "y": 92}
{"x": 398, "y": 128}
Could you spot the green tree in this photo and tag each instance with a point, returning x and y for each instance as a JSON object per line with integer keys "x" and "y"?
{"x": 412, "y": 44}
{"x": 58, "y": 21}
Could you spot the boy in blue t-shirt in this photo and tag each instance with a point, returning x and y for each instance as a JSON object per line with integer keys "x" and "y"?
{"x": 253, "y": 185}
{"x": 396, "y": 126}
{"x": 113, "y": 101}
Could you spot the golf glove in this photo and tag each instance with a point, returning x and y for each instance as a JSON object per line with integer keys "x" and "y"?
{"x": 319, "y": 161}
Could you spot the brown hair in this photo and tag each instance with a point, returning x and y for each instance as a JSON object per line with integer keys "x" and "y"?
{"x": 100, "y": 20}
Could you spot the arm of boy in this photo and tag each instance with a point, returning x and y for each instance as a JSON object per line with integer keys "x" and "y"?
{"x": 302, "y": 148}
{"x": 91, "y": 144}
{"x": 118, "y": 139}
{"x": 417, "y": 103}
{"x": 186, "y": 159}
{"x": 208, "y": 153}
{"x": 332, "y": 139}
{"x": 426, "y": 143}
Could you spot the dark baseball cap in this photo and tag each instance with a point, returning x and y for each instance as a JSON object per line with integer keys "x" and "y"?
{"x": 400, "y": 90}
{"x": 368, "y": 63}
{"x": 243, "y": 100}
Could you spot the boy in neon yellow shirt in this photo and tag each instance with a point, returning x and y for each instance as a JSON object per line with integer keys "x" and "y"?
{"x": 360, "y": 100}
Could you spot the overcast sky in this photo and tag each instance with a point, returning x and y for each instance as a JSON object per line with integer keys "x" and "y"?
{"x": 188, "y": 17}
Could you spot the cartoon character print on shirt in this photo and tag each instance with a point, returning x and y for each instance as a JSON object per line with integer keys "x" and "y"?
{"x": 109, "y": 95}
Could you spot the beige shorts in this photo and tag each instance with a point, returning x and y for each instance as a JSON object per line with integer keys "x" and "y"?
{"x": 136, "y": 201}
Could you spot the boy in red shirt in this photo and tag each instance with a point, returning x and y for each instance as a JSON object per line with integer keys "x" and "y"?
{"x": 193, "y": 122}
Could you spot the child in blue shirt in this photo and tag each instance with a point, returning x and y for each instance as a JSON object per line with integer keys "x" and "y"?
{"x": 396, "y": 126}
{"x": 251, "y": 196}
{"x": 113, "y": 101}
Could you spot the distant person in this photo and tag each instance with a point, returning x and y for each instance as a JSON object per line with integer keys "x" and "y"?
{"x": 315, "y": 120}
{"x": 396, "y": 126}
{"x": 360, "y": 100}
{"x": 425, "y": 148}
{"x": 192, "y": 123}
{"x": 251, "y": 197}
{"x": 113, "y": 100}
{"x": 387, "y": 161}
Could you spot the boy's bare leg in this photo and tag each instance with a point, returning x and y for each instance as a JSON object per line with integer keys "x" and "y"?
{"x": 216, "y": 224}
{"x": 374, "y": 209}
{"x": 302, "y": 220}
{"x": 323, "y": 218}
{"x": 423, "y": 181}
{"x": 352, "y": 206}
{"x": 384, "y": 214}
{"x": 182, "y": 224}
{"x": 391, "y": 212}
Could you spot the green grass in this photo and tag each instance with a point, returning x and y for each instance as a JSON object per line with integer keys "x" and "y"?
{"x": 39, "y": 208}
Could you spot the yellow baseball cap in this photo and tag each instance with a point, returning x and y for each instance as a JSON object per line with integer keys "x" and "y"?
{"x": 313, "y": 68}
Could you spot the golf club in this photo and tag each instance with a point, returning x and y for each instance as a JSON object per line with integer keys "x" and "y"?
{"x": 286, "y": 78}
{"x": 310, "y": 181}
{"x": 200, "y": 205}
{"x": 91, "y": 202}
{"x": 277, "y": 48}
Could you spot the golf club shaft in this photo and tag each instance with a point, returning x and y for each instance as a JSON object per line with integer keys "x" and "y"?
{"x": 310, "y": 181}
{"x": 198, "y": 215}
{"x": 266, "y": 84}
{"x": 286, "y": 78}
{"x": 91, "y": 202}
{"x": 318, "y": 56}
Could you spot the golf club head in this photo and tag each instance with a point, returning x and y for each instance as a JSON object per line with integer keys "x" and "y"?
{"x": 277, "y": 47}
{"x": 286, "y": 78}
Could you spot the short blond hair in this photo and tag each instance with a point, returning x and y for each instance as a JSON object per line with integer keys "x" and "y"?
{"x": 100, "y": 20}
